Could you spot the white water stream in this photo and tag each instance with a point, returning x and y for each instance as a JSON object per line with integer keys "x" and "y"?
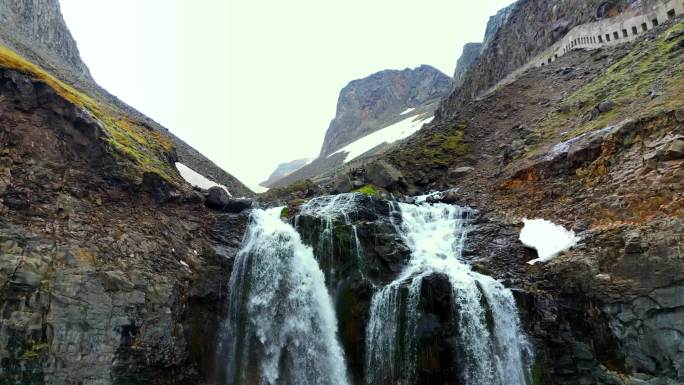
{"x": 281, "y": 327}
{"x": 495, "y": 353}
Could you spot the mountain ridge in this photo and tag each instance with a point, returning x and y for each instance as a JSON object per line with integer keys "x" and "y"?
{"x": 37, "y": 31}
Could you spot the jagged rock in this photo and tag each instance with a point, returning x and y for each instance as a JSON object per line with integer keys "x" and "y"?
{"x": 366, "y": 105}
{"x": 383, "y": 174}
{"x": 633, "y": 244}
{"x": 679, "y": 115}
{"x": 605, "y": 106}
{"x": 217, "y": 198}
{"x": 342, "y": 184}
{"x": 673, "y": 150}
{"x": 460, "y": 172}
{"x": 471, "y": 51}
{"x": 236, "y": 206}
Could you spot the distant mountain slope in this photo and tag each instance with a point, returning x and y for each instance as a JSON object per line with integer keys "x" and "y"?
{"x": 283, "y": 170}
{"x": 390, "y": 133}
{"x": 36, "y": 30}
{"x": 368, "y": 104}
{"x": 372, "y": 113}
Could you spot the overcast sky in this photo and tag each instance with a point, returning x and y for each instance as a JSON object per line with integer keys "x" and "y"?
{"x": 252, "y": 83}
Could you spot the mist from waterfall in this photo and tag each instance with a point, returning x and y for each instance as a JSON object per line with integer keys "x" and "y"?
{"x": 281, "y": 326}
{"x": 494, "y": 349}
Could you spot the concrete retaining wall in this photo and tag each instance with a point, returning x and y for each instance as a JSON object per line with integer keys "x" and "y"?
{"x": 607, "y": 32}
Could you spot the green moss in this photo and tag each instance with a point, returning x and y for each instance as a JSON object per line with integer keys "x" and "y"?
{"x": 368, "y": 189}
{"x": 285, "y": 213}
{"x": 437, "y": 148}
{"x": 651, "y": 65}
{"x": 132, "y": 141}
{"x": 34, "y": 351}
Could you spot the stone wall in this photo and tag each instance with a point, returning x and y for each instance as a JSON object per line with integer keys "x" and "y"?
{"x": 606, "y": 32}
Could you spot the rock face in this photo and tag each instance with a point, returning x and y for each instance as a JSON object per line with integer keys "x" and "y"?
{"x": 36, "y": 30}
{"x": 283, "y": 170}
{"x": 579, "y": 143}
{"x": 514, "y": 36}
{"x": 351, "y": 270}
{"x": 38, "y": 26}
{"x": 471, "y": 52}
{"x": 100, "y": 282}
{"x": 368, "y": 104}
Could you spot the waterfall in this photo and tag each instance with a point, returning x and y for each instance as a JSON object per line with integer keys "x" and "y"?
{"x": 330, "y": 208}
{"x": 281, "y": 327}
{"x": 494, "y": 349}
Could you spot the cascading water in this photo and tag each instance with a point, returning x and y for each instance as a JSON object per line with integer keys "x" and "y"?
{"x": 281, "y": 327}
{"x": 494, "y": 349}
{"x": 329, "y": 209}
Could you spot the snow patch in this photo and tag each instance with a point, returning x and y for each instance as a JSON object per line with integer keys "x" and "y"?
{"x": 407, "y": 111}
{"x": 548, "y": 238}
{"x": 388, "y": 134}
{"x": 196, "y": 179}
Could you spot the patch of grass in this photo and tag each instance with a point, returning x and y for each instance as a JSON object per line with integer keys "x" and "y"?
{"x": 132, "y": 141}
{"x": 436, "y": 148}
{"x": 651, "y": 66}
{"x": 368, "y": 189}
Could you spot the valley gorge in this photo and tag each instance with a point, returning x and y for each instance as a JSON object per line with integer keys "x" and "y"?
{"x": 398, "y": 264}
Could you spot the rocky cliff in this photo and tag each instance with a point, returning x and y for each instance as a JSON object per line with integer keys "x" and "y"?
{"x": 518, "y": 33}
{"x": 368, "y": 104}
{"x": 592, "y": 141}
{"x": 36, "y": 31}
{"x": 471, "y": 52}
{"x": 389, "y": 100}
{"x": 112, "y": 270}
{"x": 37, "y": 26}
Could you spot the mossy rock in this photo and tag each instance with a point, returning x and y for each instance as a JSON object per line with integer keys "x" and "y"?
{"x": 368, "y": 190}
{"x": 136, "y": 148}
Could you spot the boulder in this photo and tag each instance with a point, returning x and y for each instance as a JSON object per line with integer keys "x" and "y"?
{"x": 342, "y": 184}
{"x": 217, "y": 198}
{"x": 460, "y": 172}
{"x": 673, "y": 150}
{"x": 236, "y": 206}
{"x": 383, "y": 174}
{"x": 605, "y": 106}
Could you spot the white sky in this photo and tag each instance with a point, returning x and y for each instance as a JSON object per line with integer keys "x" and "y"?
{"x": 252, "y": 83}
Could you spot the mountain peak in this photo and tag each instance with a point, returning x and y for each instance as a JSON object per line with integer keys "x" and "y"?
{"x": 364, "y": 103}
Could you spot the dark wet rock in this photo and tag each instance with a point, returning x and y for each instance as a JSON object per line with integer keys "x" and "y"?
{"x": 236, "y": 206}
{"x": 217, "y": 198}
{"x": 383, "y": 174}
